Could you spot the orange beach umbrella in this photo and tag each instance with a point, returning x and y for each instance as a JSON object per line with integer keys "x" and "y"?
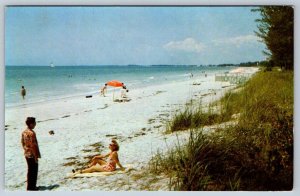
{"x": 115, "y": 83}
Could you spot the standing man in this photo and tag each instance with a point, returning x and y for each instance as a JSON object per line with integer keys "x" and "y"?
{"x": 23, "y": 92}
{"x": 31, "y": 152}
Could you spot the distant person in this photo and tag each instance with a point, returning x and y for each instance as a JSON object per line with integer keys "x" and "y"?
{"x": 103, "y": 90}
{"x": 98, "y": 163}
{"x": 23, "y": 92}
{"x": 31, "y": 152}
{"x": 124, "y": 90}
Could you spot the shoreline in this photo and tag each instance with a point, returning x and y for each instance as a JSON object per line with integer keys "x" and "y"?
{"x": 82, "y": 95}
{"x": 89, "y": 87}
{"x": 83, "y": 127}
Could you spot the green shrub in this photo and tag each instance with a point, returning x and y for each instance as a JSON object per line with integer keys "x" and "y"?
{"x": 255, "y": 154}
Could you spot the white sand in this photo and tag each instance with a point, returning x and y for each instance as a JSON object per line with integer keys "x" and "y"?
{"x": 80, "y": 122}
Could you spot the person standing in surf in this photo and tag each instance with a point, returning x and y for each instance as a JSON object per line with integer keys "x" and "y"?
{"x": 23, "y": 92}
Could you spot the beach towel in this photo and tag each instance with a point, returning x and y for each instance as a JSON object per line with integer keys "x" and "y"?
{"x": 127, "y": 167}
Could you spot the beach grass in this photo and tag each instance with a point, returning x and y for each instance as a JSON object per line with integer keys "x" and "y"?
{"x": 192, "y": 119}
{"x": 254, "y": 154}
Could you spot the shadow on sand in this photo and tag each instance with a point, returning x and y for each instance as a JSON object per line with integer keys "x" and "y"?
{"x": 48, "y": 188}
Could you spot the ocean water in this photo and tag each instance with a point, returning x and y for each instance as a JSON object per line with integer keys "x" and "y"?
{"x": 45, "y": 83}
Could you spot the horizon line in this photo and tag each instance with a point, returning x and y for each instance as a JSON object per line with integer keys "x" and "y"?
{"x": 139, "y": 64}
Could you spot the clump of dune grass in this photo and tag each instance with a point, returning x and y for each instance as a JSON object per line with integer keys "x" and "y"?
{"x": 181, "y": 164}
{"x": 255, "y": 154}
{"x": 192, "y": 119}
{"x": 196, "y": 116}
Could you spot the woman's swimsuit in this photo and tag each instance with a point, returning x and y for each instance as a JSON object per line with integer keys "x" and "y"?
{"x": 110, "y": 166}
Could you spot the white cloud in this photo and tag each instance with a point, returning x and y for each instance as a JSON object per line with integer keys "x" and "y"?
{"x": 187, "y": 45}
{"x": 237, "y": 41}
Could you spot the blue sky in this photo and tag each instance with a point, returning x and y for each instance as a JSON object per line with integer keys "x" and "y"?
{"x": 130, "y": 35}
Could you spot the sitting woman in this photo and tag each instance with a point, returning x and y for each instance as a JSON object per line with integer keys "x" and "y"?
{"x": 100, "y": 165}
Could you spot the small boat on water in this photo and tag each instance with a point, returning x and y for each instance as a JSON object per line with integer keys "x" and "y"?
{"x": 51, "y": 64}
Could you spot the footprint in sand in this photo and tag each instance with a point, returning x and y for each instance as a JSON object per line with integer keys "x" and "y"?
{"x": 66, "y": 116}
{"x": 39, "y": 121}
{"x": 158, "y": 126}
{"x": 105, "y": 106}
{"x": 158, "y": 92}
{"x": 151, "y": 120}
{"x": 139, "y": 134}
{"x": 110, "y": 135}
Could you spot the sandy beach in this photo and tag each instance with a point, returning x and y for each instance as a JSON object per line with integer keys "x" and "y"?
{"x": 84, "y": 127}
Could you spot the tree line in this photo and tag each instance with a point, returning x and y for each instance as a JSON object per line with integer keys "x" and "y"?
{"x": 276, "y": 30}
{"x": 244, "y": 64}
